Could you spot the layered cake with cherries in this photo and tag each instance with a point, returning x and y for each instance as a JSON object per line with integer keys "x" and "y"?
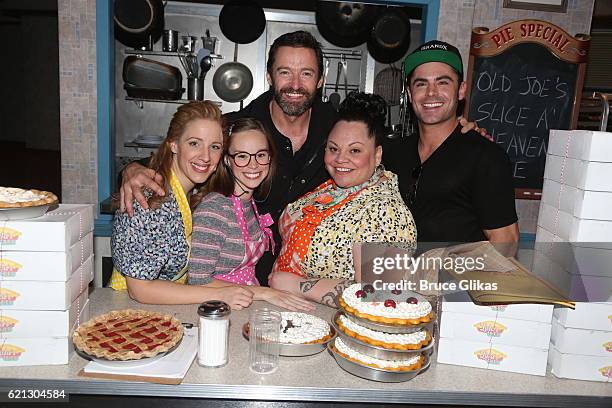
{"x": 303, "y": 328}
{"x": 411, "y": 362}
{"x": 395, "y": 307}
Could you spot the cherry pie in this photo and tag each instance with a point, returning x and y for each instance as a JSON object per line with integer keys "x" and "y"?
{"x": 12, "y": 197}
{"x": 128, "y": 335}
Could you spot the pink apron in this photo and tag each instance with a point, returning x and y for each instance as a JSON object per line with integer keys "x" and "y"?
{"x": 244, "y": 274}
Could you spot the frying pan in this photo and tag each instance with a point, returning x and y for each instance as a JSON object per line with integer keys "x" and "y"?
{"x": 345, "y": 24}
{"x": 136, "y": 20}
{"x": 233, "y": 81}
{"x": 390, "y": 36}
{"x": 242, "y": 21}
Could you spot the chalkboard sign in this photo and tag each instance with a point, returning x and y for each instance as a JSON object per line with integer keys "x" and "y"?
{"x": 524, "y": 79}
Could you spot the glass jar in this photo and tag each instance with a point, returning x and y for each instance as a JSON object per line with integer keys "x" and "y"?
{"x": 213, "y": 333}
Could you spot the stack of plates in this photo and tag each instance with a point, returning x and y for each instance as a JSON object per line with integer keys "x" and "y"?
{"x": 380, "y": 352}
{"x": 149, "y": 140}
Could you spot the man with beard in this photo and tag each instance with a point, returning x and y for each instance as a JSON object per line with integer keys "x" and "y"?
{"x": 299, "y": 123}
{"x": 458, "y": 187}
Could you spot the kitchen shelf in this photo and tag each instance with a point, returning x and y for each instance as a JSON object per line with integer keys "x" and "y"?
{"x": 162, "y": 53}
{"x": 140, "y": 101}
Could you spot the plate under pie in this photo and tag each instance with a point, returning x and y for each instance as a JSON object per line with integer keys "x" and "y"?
{"x": 128, "y": 335}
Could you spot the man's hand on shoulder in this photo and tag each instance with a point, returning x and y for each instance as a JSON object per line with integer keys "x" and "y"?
{"x": 134, "y": 178}
{"x": 467, "y": 126}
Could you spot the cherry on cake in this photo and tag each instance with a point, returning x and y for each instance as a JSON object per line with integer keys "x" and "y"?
{"x": 12, "y": 197}
{"x": 391, "y": 341}
{"x": 396, "y": 308}
{"x": 303, "y": 328}
{"x": 411, "y": 363}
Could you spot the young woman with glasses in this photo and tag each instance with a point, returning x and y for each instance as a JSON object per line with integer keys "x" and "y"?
{"x": 229, "y": 234}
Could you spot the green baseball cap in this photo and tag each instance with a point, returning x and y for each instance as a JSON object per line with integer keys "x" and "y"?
{"x": 434, "y": 51}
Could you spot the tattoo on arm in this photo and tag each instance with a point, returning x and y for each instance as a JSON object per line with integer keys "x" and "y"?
{"x": 306, "y": 285}
{"x": 331, "y": 298}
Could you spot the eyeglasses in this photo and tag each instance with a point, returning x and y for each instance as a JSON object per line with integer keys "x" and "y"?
{"x": 416, "y": 175}
{"x": 242, "y": 159}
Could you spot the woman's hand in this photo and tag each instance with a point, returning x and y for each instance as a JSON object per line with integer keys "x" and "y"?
{"x": 134, "y": 178}
{"x": 284, "y": 299}
{"x": 237, "y": 297}
{"x": 467, "y": 126}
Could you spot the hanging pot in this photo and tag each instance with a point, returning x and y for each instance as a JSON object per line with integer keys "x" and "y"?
{"x": 138, "y": 22}
{"x": 345, "y": 24}
{"x": 233, "y": 81}
{"x": 242, "y": 21}
{"x": 390, "y": 36}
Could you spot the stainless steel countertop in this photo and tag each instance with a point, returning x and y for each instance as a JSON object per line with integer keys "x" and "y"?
{"x": 313, "y": 378}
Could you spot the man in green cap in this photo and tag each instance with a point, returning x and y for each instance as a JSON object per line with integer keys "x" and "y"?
{"x": 458, "y": 186}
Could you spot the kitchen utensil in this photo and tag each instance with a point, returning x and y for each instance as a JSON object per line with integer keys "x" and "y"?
{"x": 345, "y": 24}
{"x": 203, "y": 52}
{"x": 297, "y": 350}
{"x": 334, "y": 98}
{"x": 189, "y": 62}
{"x": 242, "y": 21}
{"x": 233, "y": 81}
{"x": 149, "y": 79}
{"x": 264, "y": 347}
{"x": 209, "y": 43}
{"x": 390, "y": 36}
{"x": 205, "y": 66}
{"x": 188, "y": 43}
{"x": 170, "y": 41}
{"x": 195, "y": 88}
{"x": 325, "y": 72}
{"x": 371, "y": 373}
{"x": 376, "y": 351}
{"x": 137, "y": 20}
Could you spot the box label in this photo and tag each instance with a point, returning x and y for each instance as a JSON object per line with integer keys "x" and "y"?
{"x": 7, "y": 324}
{"x": 7, "y": 297}
{"x": 490, "y": 328}
{"x": 491, "y": 356}
{"x": 9, "y": 236}
{"x": 8, "y": 352}
{"x": 499, "y": 308}
{"x": 608, "y": 346}
{"x": 606, "y": 372}
{"x": 9, "y": 268}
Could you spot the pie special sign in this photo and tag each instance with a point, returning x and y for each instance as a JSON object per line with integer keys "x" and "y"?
{"x": 525, "y": 78}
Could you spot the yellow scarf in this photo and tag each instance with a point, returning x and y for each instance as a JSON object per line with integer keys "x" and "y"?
{"x": 117, "y": 280}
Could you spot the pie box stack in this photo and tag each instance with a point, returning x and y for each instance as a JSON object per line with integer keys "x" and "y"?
{"x": 503, "y": 337}
{"x": 574, "y": 251}
{"x": 46, "y": 264}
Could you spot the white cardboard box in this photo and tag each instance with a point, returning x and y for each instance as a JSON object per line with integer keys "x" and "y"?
{"x": 499, "y": 357}
{"x": 582, "y": 174}
{"x": 592, "y": 316}
{"x": 531, "y": 312}
{"x": 580, "y": 367}
{"x": 28, "y": 351}
{"x": 45, "y": 266}
{"x": 577, "y": 287}
{"x": 572, "y": 257}
{"x": 587, "y": 233}
{"x": 581, "y": 144}
{"x": 495, "y": 330}
{"x": 44, "y": 323}
{"x": 585, "y": 204}
{"x": 568, "y": 340}
{"x": 57, "y": 230}
{"x": 40, "y": 295}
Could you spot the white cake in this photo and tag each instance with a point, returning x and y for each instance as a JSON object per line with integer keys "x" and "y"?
{"x": 398, "y": 341}
{"x": 411, "y": 363}
{"x": 300, "y": 328}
